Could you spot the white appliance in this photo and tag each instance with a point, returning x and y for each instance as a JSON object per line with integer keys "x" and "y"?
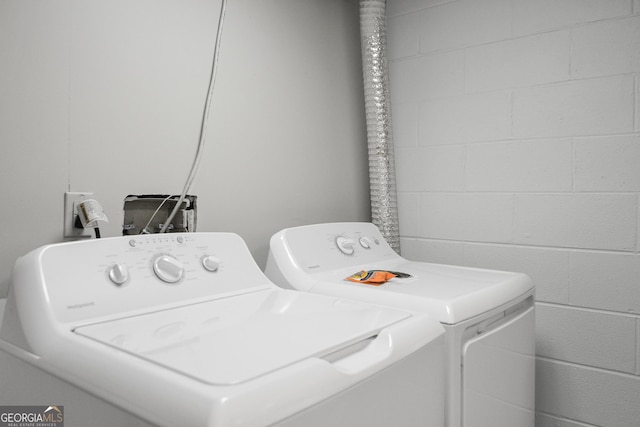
{"x": 488, "y": 315}
{"x": 185, "y": 330}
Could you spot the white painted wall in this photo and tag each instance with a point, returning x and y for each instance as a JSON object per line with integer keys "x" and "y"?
{"x": 517, "y": 131}
{"x": 107, "y": 97}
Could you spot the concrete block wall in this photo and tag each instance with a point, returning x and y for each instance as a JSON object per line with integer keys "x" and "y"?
{"x": 517, "y": 132}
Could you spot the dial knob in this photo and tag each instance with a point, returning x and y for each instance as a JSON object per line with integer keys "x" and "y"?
{"x": 168, "y": 268}
{"x": 211, "y": 263}
{"x": 345, "y": 245}
{"x": 118, "y": 274}
{"x": 365, "y": 242}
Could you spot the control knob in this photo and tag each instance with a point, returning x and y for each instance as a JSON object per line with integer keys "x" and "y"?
{"x": 345, "y": 245}
{"x": 118, "y": 274}
{"x": 168, "y": 269}
{"x": 211, "y": 263}
{"x": 365, "y": 242}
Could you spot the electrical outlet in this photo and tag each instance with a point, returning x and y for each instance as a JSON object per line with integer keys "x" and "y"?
{"x": 70, "y": 215}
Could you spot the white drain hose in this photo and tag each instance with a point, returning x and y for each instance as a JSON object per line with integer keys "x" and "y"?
{"x": 382, "y": 178}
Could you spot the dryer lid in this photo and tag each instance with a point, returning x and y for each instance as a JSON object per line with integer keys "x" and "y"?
{"x": 236, "y": 339}
{"x": 449, "y": 294}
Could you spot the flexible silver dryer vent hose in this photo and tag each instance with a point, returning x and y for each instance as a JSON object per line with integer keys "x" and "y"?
{"x": 382, "y": 178}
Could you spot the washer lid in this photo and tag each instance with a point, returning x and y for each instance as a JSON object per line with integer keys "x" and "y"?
{"x": 236, "y": 339}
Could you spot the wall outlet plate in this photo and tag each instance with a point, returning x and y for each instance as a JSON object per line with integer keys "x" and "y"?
{"x": 70, "y": 215}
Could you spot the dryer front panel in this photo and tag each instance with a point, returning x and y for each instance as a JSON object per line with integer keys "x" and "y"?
{"x": 498, "y": 373}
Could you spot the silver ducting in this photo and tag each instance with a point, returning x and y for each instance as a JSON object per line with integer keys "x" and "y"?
{"x": 384, "y": 205}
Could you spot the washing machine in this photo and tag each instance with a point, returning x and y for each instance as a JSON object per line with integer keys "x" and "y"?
{"x": 186, "y": 330}
{"x": 488, "y": 315}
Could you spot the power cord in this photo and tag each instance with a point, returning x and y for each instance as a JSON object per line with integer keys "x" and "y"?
{"x": 205, "y": 119}
{"x": 144, "y": 229}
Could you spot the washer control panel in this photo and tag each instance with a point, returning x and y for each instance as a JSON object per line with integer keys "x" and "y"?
{"x": 101, "y": 277}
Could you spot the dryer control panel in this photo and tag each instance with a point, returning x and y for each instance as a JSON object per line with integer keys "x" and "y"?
{"x": 324, "y": 247}
{"x": 105, "y": 277}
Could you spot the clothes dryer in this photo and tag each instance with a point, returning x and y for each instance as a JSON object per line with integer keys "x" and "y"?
{"x": 185, "y": 330}
{"x": 488, "y": 315}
